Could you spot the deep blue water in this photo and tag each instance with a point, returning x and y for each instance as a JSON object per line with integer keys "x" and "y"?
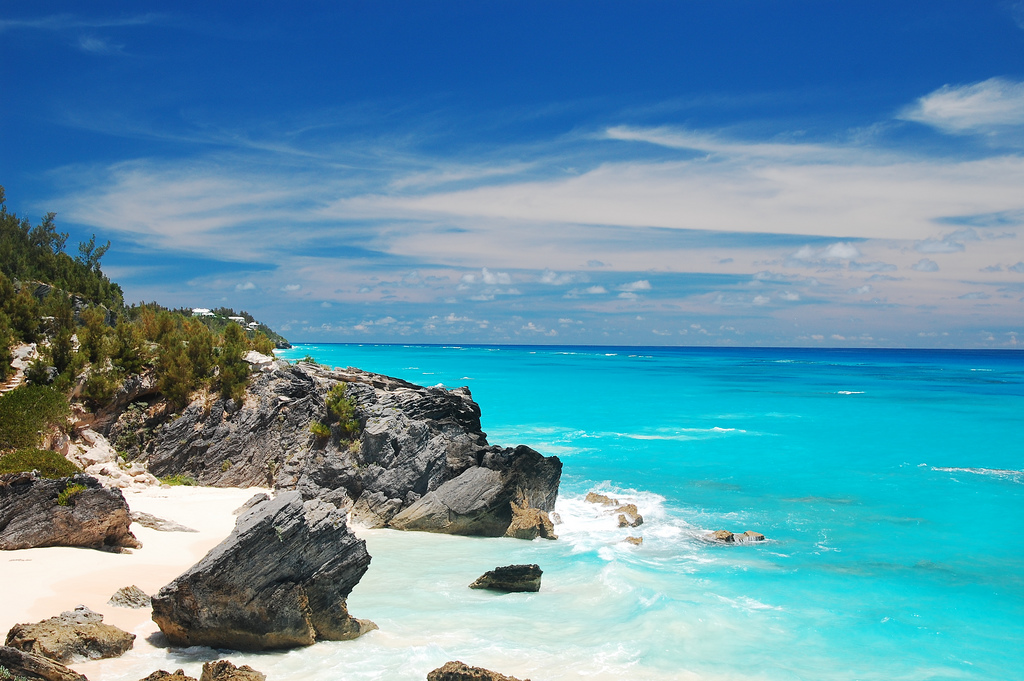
{"x": 890, "y": 485}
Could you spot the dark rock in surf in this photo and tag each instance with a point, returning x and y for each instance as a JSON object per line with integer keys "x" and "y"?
{"x": 510, "y": 579}
{"x": 280, "y": 580}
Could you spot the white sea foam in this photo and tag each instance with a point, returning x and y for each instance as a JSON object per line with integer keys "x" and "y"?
{"x": 1002, "y": 473}
{"x": 849, "y": 392}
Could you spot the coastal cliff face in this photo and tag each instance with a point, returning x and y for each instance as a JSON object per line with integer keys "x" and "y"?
{"x": 420, "y": 460}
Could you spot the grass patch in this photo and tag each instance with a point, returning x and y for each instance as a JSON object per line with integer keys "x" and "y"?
{"x": 28, "y": 411}
{"x": 49, "y": 464}
{"x": 320, "y": 429}
{"x": 179, "y": 480}
{"x": 66, "y": 497}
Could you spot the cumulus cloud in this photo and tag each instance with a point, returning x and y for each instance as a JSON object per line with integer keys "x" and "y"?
{"x": 555, "y": 279}
{"x": 291, "y": 287}
{"x": 841, "y": 251}
{"x": 985, "y": 107}
{"x": 492, "y": 278}
{"x": 925, "y": 265}
{"x": 633, "y": 286}
{"x": 861, "y": 290}
{"x": 247, "y": 286}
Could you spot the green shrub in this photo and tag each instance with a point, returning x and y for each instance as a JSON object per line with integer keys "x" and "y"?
{"x": 320, "y": 429}
{"x": 66, "y": 497}
{"x": 225, "y": 465}
{"x": 28, "y": 411}
{"x": 179, "y": 479}
{"x": 234, "y": 371}
{"x": 49, "y": 464}
{"x": 342, "y": 407}
{"x": 100, "y": 387}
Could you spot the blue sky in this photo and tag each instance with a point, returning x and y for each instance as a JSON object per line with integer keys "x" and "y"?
{"x": 649, "y": 173}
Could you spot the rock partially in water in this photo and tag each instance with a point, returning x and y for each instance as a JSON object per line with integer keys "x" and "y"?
{"x": 510, "y": 579}
{"x": 93, "y": 516}
{"x": 31, "y": 666}
{"x": 129, "y": 597}
{"x": 459, "y": 671}
{"x": 280, "y": 580}
{"x": 161, "y": 675}
{"x": 635, "y": 541}
{"x": 629, "y": 516}
{"x": 530, "y": 523}
{"x": 72, "y": 636}
{"x": 595, "y": 498}
{"x": 727, "y": 537}
{"x": 223, "y": 670}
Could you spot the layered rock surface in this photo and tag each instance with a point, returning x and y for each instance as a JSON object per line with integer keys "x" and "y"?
{"x": 30, "y": 515}
{"x": 510, "y": 579}
{"x": 32, "y": 666}
{"x": 75, "y": 635}
{"x": 420, "y": 461}
{"x": 280, "y": 580}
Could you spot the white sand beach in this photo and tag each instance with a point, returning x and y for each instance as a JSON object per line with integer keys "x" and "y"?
{"x": 39, "y": 583}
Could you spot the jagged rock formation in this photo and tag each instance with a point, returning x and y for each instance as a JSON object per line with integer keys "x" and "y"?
{"x": 94, "y": 454}
{"x": 75, "y": 635}
{"x": 129, "y": 597}
{"x": 530, "y": 523}
{"x": 223, "y": 670}
{"x": 31, "y": 666}
{"x": 30, "y": 515}
{"x": 629, "y": 516}
{"x": 280, "y": 580}
{"x": 420, "y": 461}
{"x": 459, "y": 671}
{"x": 510, "y": 578}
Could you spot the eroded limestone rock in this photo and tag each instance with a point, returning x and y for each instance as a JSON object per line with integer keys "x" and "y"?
{"x": 280, "y": 580}
{"x": 459, "y": 671}
{"x": 74, "y": 635}
{"x": 510, "y": 578}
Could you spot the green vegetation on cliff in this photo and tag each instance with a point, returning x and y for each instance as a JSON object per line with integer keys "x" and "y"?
{"x": 89, "y": 341}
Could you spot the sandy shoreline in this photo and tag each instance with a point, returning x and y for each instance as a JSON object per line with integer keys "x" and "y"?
{"x": 41, "y": 583}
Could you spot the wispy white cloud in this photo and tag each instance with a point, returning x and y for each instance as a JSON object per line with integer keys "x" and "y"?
{"x": 985, "y": 107}
{"x": 89, "y": 43}
{"x": 62, "y": 22}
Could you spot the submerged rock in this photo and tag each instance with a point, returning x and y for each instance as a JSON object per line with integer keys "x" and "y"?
{"x": 724, "y": 536}
{"x": 459, "y": 671}
{"x": 94, "y": 516}
{"x": 635, "y": 541}
{"x": 748, "y": 536}
{"x": 280, "y": 580}
{"x": 75, "y": 635}
{"x": 129, "y": 597}
{"x": 223, "y": 670}
{"x": 32, "y": 666}
{"x": 510, "y": 578}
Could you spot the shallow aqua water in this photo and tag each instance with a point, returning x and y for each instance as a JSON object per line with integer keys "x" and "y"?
{"x": 890, "y": 485}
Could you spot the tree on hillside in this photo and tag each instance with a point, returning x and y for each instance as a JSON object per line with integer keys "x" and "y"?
{"x": 234, "y": 371}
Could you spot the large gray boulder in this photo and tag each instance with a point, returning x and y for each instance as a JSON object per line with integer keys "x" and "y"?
{"x": 35, "y": 667}
{"x": 510, "y": 579}
{"x": 72, "y": 636}
{"x": 279, "y": 580}
{"x": 94, "y": 517}
{"x": 413, "y": 443}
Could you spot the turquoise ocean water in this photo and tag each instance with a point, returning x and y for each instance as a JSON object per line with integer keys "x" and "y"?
{"x": 890, "y": 485}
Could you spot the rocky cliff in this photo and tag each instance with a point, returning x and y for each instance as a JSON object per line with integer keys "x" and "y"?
{"x": 418, "y": 459}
